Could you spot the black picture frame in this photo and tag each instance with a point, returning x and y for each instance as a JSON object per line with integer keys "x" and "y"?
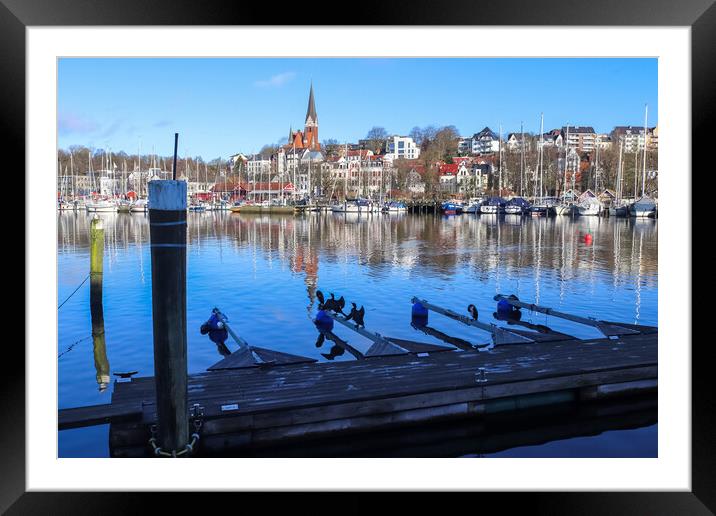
{"x": 700, "y": 15}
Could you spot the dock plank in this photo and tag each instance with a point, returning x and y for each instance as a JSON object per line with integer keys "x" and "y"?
{"x": 97, "y": 415}
{"x": 310, "y": 398}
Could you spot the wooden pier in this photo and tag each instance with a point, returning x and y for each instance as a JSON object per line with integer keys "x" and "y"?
{"x": 243, "y": 409}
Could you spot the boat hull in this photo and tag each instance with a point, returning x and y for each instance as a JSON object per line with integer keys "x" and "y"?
{"x": 566, "y": 210}
{"x": 590, "y": 211}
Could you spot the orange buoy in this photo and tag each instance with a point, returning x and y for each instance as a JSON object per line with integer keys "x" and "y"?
{"x": 588, "y": 238}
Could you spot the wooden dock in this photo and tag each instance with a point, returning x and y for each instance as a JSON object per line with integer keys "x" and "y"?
{"x": 265, "y": 406}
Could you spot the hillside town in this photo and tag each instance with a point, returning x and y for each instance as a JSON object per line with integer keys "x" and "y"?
{"x": 427, "y": 164}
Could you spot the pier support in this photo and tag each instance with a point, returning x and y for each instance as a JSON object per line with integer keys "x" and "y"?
{"x": 96, "y": 308}
{"x": 167, "y": 230}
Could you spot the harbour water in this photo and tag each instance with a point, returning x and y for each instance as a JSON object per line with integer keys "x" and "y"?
{"x": 263, "y": 272}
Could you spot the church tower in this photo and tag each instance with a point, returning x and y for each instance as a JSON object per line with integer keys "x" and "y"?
{"x": 311, "y": 130}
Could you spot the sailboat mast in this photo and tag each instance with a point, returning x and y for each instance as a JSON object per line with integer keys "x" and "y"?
{"x": 499, "y": 148}
{"x": 566, "y": 160}
{"x": 522, "y": 156}
{"x": 643, "y": 165}
{"x": 541, "y": 151}
{"x": 72, "y": 173}
{"x": 619, "y": 173}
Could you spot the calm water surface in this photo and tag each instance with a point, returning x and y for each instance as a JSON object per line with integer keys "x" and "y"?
{"x": 263, "y": 272}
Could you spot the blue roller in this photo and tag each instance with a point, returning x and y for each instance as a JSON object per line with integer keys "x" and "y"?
{"x": 503, "y": 307}
{"x": 323, "y": 321}
{"x": 419, "y": 314}
{"x": 215, "y": 328}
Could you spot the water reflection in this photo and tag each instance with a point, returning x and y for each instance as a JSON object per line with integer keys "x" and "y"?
{"x": 264, "y": 272}
{"x": 487, "y": 244}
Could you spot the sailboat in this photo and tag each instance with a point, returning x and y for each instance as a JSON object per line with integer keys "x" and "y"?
{"x": 97, "y": 204}
{"x": 645, "y": 206}
{"x": 542, "y": 206}
{"x": 564, "y": 207}
{"x": 517, "y": 206}
{"x": 590, "y": 206}
{"x": 617, "y": 208}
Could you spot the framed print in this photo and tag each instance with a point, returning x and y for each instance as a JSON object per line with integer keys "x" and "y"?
{"x": 266, "y": 237}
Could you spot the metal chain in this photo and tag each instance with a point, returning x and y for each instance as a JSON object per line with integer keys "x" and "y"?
{"x": 188, "y": 449}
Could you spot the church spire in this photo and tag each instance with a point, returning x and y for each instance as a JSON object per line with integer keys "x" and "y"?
{"x": 290, "y": 134}
{"x": 311, "y": 111}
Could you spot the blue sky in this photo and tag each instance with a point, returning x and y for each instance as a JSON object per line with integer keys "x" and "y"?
{"x": 223, "y": 106}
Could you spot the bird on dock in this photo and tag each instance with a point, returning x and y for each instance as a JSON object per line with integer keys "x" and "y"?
{"x": 341, "y": 303}
{"x": 332, "y": 304}
{"x": 472, "y": 311}
{"x": 357, "y": 315}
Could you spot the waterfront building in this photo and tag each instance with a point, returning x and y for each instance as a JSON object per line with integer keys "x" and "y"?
{"x": 230, "y": 190}
{"x": 633, "y": 137}
{"x": 604, "y": 141}
{"x": 402, "y": 147}
{"x": 582, "y": 138}
{"x": 448, "y": 177}
{"x": 414, "y": 182}
{"x": 257, "y": 165}
{"x": 552, "y": 138}
{"x": 484, "y": 142}
{"x": 515, "y": 143}
{"x": 269, "y": 190}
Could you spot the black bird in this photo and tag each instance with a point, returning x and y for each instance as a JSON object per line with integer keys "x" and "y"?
{"x": 341, "y": 303}
{"x": 472, "y": 311}
{"x": 320, "y": 297}
{"x": 330, "y": 304}
{"x": 356, "y": 315}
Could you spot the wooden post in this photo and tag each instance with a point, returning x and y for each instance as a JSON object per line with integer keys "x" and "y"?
{"x": 101, "y": 363}
{"x": 167, "y": 230}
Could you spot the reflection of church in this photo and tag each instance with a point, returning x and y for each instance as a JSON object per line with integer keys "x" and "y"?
{"x": 306, "y": 260}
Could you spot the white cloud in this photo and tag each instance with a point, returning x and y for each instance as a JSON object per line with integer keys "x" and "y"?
{"x": 276, "y": 80}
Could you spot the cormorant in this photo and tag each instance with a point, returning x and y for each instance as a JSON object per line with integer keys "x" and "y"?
{"x": 356, "y": 315}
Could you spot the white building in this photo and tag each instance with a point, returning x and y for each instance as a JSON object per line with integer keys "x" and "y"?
{"x": 414, "y": 182}
{"x": 258, "y": 165}
{"x": 515, "y": 142}
{"x": 402, "y": 147}
{"x": 633, "y": 137}
{"x": 484, "y": 142}
{"x": 584, "y": 139}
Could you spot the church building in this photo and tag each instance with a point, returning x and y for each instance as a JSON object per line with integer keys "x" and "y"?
{"x": 308, "y": 138}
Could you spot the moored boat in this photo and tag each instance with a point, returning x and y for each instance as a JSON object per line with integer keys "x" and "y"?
{"x": 395, "y": 207}
{"x": 493, "y": 205}
{"x": 451, "y": 208}
{"x": 101, "y": 206}
{"x": 139, "y": 206}
{"x": 589, "y": 207}
{"x": 517, "y": 206}
{"x": 566, "y": 209}
{"x": 643, "y": 208}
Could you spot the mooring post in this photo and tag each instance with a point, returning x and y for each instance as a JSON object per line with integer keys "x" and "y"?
{"x": 167, "y": 231}
{"x": 101, "y": 363}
